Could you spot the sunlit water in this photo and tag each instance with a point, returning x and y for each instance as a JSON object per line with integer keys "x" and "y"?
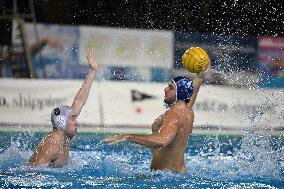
{"x": 217, "y": 161}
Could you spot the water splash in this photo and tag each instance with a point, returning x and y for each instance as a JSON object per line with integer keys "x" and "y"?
{"x": 217, "y": 162}
{"x": 257, "y": 157}
{"x": 259, "y": 154}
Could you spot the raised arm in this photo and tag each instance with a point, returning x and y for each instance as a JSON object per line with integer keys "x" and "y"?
{"x": 196, "y": 84}
{"x": 83, "y": 93}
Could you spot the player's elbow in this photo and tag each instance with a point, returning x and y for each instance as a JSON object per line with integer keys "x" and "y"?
{"x": 163, "y": 142}
{"x": 163, "y": 145}
{"x": 159, "y": 145}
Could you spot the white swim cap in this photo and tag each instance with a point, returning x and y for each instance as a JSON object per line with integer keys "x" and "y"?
{"x": 59, "y": 117}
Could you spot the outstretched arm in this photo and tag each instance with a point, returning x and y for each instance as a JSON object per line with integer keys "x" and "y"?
{"x": 83, "y": 93}
{"x": 161, "y": 138}
{"x": 196, "y": 84}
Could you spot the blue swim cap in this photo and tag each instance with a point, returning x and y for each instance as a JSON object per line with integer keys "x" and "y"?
{"x": 184, "y": 88}
{"x": 59, "y": 117}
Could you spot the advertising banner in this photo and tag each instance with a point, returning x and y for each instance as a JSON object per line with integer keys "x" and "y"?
{"x": 271, "y": 61}
{"x": 232, "y": 108}
{"x": 128, "y": 47}
{"x": 136, "y": 105}
{"x": 123, "y": 54}
{"x": 132, "y": 104}
{"x": 30, "y": 102}
{"x": 55, "y": 54}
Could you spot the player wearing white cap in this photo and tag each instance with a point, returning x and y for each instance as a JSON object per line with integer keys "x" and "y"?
{"x": 53, "y": 150}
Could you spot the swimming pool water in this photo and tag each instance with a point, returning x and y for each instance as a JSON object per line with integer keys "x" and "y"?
{"x": 213, "y": 161}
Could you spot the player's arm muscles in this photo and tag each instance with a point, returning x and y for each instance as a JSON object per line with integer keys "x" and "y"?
{"x": 161, "y": 138}
{"x": 196, "y": 84}
{"x": 83, "y": 93}
{"x": 45, "y": 153}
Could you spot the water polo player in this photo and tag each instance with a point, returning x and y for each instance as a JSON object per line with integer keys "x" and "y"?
{"x": 53, "y": 150}
{"x": 171, "y": 130}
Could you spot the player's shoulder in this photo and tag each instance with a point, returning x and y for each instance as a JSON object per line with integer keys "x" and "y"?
{"x": 53, "y": 137}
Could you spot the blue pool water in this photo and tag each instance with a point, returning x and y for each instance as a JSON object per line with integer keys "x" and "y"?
{"x": 216, "y": 161}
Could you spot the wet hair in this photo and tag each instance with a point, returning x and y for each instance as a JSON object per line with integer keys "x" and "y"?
{"x": 59, "y": 117}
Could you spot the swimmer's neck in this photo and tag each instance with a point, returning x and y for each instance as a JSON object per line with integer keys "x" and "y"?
{"x": 61, "y": 133}
{"x": 170, "y": 105}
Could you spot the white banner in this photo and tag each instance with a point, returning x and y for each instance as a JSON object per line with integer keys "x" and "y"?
{"x": 122, "y": 47}
{"x": 239, "y": 108}
{"x": 131, "y": 104}
{"x": 136, "y": 105}
{"x": 30, "y": 102}
{"x": 215, "y": 106}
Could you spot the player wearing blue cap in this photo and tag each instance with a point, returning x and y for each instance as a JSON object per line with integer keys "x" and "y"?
{"x": 53, "y": 150}
{"x": 171, "y": 130}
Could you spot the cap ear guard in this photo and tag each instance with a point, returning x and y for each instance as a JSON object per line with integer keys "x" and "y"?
{"x": 59, "y": 117}
{"x": 60, "y": 122}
